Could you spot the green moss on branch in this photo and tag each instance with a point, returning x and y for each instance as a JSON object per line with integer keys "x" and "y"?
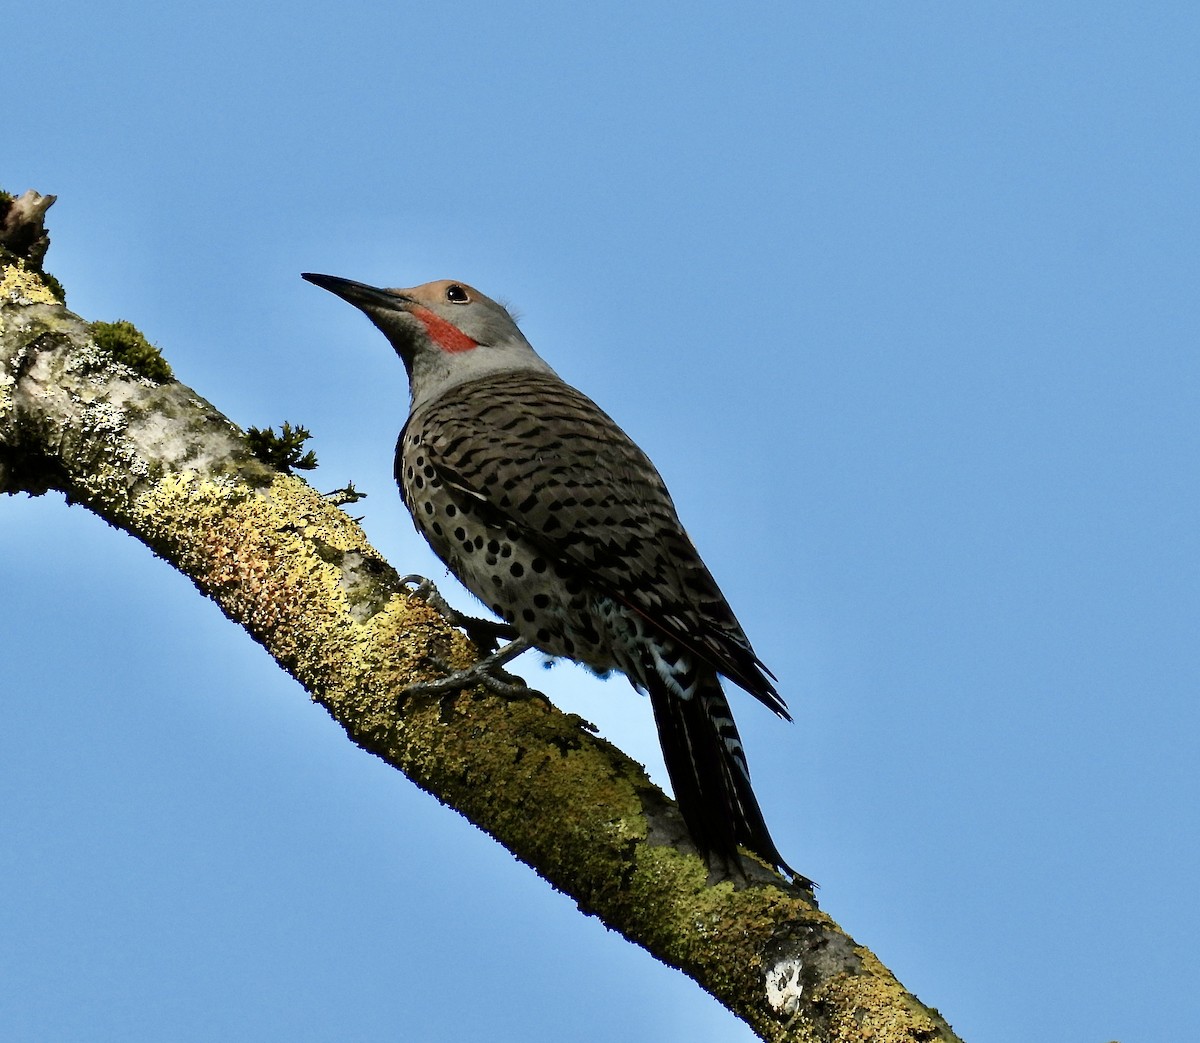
{"x": 127, "y": 344}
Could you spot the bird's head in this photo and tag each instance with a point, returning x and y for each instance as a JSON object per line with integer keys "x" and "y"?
{"x": 446, "y": 332}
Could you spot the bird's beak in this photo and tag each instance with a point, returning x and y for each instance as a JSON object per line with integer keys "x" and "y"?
{"x": 359, "y": 293}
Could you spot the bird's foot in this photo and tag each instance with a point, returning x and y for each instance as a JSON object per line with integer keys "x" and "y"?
{"x": 485, "y": 634}
{"x": 486, "y": 673}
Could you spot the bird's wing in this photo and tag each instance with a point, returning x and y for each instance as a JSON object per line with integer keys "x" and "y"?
{"x": 539, "y": 455}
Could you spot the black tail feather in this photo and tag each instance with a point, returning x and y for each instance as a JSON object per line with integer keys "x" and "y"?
{"x": 707, "y": 766}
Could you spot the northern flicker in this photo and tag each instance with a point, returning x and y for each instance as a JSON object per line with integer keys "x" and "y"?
{"x": 550, "y": 514}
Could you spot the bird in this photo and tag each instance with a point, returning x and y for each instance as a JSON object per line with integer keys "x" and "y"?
{"x": 542, "y": 506}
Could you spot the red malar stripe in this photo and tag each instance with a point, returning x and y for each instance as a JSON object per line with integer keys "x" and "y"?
{"x": 445, "y": 335}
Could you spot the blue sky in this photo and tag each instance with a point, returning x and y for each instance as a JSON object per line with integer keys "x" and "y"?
{"x": 902, "y": 301}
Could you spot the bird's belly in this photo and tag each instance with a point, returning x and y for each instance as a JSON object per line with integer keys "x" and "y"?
{"x": 547, "y": 601}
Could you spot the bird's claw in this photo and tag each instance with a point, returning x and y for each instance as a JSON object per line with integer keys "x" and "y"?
{"x": 482, "y": 673}
{"x": 485, "y": 634}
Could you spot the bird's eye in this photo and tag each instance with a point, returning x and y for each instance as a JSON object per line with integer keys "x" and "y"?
{"x": 455, "y": 294}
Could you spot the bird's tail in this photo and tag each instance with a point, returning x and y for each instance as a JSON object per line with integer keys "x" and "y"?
{"x": 708, "y": 771}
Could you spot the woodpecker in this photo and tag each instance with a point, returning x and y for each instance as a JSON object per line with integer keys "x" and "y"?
{"x": 550, "y": 514}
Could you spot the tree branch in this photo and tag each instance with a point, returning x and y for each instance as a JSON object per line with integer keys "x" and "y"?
{"x": 155, "y": 459}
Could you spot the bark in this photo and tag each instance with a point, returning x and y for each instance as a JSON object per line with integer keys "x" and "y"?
{"x": 155, "y": 459}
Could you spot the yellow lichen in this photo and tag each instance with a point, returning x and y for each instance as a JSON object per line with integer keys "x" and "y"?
{"x": 874, "y": 1006}
{"x": 22, "y": 285}
{"x": 272, "y": 559}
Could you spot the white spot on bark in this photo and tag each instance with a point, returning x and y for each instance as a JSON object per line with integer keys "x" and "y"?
{"x": 784, "y": 986}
